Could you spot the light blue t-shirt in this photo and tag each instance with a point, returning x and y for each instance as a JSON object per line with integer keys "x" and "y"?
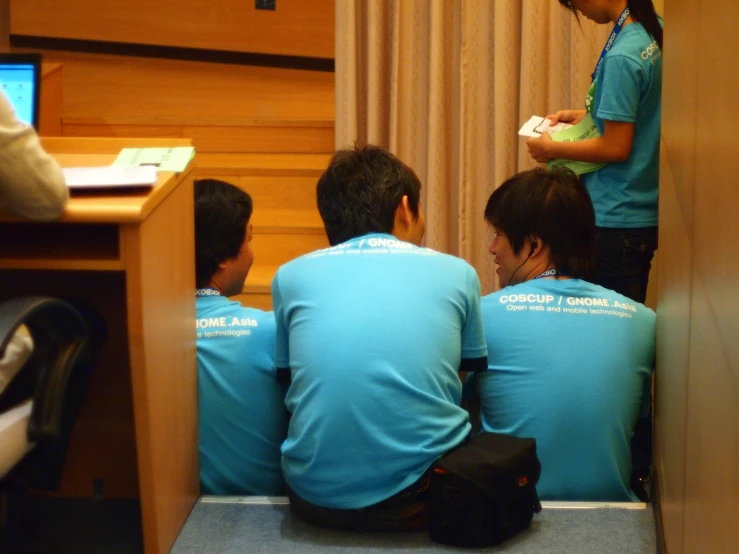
{"x": 241, "y": 411}
{"x": 374, "y": 331}
{"x": 568, "y": 364}
{"x": 629, "y": 89}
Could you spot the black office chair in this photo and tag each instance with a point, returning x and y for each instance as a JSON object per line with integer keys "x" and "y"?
{"x": 67, "y": 337}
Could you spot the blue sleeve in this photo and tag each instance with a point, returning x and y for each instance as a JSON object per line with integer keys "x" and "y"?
{"x": 622, "y": 80}
{"x": 473, "y": 334}
{"x": 282, "y": 353}
{"x": 268, "y": 334}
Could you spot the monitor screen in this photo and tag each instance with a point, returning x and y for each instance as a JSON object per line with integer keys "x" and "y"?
{"x": 20, "y": 80}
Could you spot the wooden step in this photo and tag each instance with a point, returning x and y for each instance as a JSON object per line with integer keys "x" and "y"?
{"x": 260, "y": 164}
{"x": 276, "y": 249}
{"x": 261, "y": 300}
{"x": 277, "y": 192}
{"x": 287, "y": 221}
{"x": 259, "y": 280}
{"x": 216, "y": 137}
{"x": 154, "y": 90}
{"x": 286, "y": 181}
{"x": 280, "y": 235}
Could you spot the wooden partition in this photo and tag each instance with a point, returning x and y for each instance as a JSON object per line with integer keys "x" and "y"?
{"x": 52, "y": 100}
{"x": 131, "y": 256}
{"x": 4, "y": 25}
{"x": 697, "y": 387}
{"x": 294, "y": 28}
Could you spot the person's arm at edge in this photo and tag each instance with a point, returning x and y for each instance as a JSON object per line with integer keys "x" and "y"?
{"x": 573, "y": 117}
{"x": 613, "y": 146}
{"x": 473, "y": 334}
{"x": 31, "y": 182}
{"x": 622, "y": 79}
{"x": 282, "y": 356}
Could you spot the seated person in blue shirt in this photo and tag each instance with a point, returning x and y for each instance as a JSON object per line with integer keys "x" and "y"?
{"x": 568, "y": 361}
{"x": 242, "y": 416}
{"x": 373, "y": 332}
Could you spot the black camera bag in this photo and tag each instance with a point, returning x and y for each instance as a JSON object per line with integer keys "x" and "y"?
{"x": 484, "y": 491}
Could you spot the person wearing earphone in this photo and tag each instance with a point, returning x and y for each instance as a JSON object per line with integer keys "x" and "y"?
{"x": 569, "y": 362}
{"x": 625, "y": 103}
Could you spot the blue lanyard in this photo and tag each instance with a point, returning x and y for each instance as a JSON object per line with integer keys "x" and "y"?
{"x": 551, "y": 273}
{"x": 609, "y": 43}
{"x": 208, "y": 291}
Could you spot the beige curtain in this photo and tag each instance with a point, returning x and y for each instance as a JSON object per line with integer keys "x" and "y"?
{"x": 446, "y": 84}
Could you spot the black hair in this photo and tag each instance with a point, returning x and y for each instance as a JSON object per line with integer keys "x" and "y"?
{"x": 553, "y": 205}
{"x": 222, "y": 211}
{"x": 642, "y": 11}
{"x": 360, "y": 191}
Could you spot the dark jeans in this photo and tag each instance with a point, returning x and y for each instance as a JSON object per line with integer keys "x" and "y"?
{"x": 623, "y": 263}
{"x": 624, "y": 259}
{"x": 404, "y": 511}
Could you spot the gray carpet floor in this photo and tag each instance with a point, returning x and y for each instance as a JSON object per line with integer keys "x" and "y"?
{"x": 224, "y": 526}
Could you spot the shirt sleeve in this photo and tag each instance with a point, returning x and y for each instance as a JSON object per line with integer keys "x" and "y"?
{"x": 622, "y": 80}
{"x": 282, "y": 352}
{"x": 31, "y": 182}
{"x": 474, "y": 347}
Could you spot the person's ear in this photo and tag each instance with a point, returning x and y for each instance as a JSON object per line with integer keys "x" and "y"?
{"x": 536, "y": 245}
{"x": 407, "y": 212}
{"x": 403, "y": 213}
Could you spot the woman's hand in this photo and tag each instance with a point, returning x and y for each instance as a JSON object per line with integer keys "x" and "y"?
{"x": 572, "y": 117}
{"x": 539, "y": 147}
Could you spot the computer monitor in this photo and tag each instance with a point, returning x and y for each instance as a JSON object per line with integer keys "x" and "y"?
{"x": 20, "y": 80}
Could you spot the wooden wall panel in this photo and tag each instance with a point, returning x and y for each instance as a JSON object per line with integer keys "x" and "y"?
{"x": 716, "y": 197}
{"x": 674, "y": 283}
{"x": 698, "y": 423}
{"x": 295, "y": 28}
{"x": 712, "y": 453}
{"x": 680, "y": 98}
{"x": 163, "y": 363}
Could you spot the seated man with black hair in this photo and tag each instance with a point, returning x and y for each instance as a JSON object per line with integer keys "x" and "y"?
{"x": 570, "y": 362}
{"x": 373, "y": 333}
{"x": 242, "y": 416}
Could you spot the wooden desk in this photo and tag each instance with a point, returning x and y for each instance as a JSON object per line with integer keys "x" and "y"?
{"x": 132, "y": 257}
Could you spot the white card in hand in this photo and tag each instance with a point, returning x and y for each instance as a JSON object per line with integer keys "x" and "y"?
{"x": 536, "y": 125}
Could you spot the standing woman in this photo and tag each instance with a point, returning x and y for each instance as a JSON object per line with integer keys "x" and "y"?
{"x": 625, "y": 102}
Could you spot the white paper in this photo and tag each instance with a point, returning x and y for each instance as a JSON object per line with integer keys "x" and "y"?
{"x": 109, "y": 176}
{"x": 536, "y": 125}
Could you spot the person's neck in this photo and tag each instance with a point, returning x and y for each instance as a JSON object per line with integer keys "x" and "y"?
{"x": 213, "y": 285}
{"x": 401, "y": 234}
{"x": 537, "y": 269}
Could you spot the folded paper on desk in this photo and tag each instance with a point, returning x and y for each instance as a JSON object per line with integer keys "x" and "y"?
{"x": 162, "y": 159}
{"x": 88, "y": 178}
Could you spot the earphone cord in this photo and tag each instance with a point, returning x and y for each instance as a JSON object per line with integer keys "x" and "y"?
{"x": 519, "y": 267}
